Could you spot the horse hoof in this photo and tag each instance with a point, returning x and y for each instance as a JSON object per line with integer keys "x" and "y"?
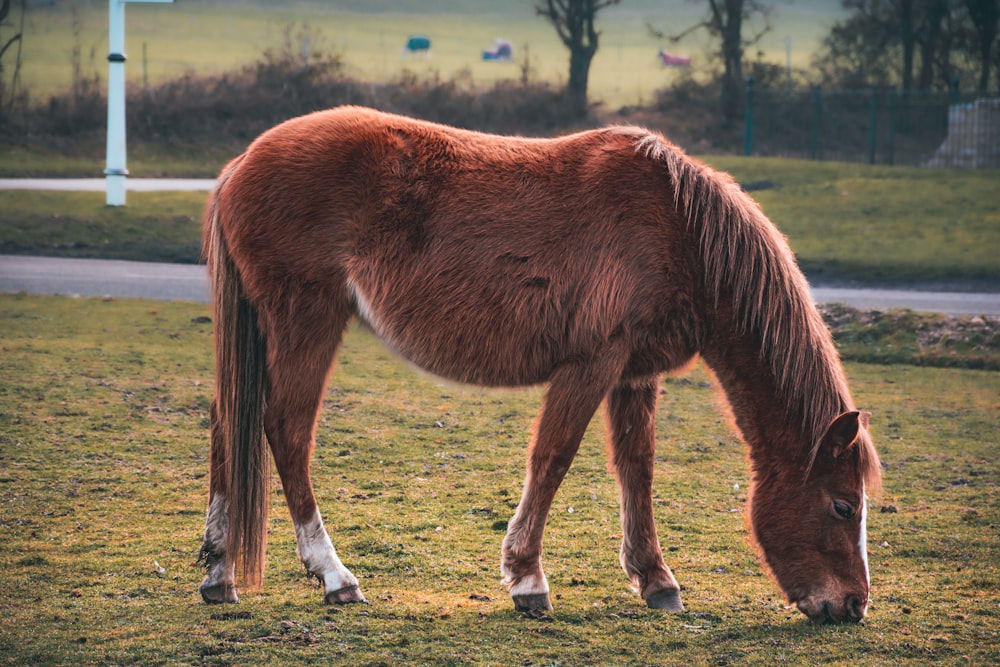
{"x": 532, "y": 602}
{"x": 667, "y": 600}
{"x": 345, "y": 595}
{"x": 219, "y": 594}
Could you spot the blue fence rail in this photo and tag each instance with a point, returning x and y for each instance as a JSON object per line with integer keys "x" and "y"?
{"x": 877, "y": 126}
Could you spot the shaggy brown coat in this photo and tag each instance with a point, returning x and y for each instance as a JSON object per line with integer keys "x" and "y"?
{"x": 593, "y": 262}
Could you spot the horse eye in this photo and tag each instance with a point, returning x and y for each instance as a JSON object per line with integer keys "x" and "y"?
{"x": 843, "y": 510}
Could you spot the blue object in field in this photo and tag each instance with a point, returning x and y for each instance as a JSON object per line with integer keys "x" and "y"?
{"x": 502, "y": 50}
{"x": 418, "y": 43}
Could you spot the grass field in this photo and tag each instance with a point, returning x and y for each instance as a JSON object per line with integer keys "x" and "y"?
{"x": 103, "y": 411}
{"x": 155, "y": 226}
{"x": 167, "y": 41}
{"x": 881, "y": 224}
{"x": 103, "y": 432}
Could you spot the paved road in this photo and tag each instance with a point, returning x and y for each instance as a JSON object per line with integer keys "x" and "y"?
{"x": 103, "y": 277}
{"x": 98, "y": 184}
{"x": 178, "y": 282}
{"x": 949, "y": 303}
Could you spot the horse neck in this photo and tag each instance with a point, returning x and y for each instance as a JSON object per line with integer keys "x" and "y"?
{"x": 783, "y": 392}
{"x": 767, "y": 343}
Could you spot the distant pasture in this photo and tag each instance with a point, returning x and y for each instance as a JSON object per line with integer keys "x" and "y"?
{"x": 171, "y": 40}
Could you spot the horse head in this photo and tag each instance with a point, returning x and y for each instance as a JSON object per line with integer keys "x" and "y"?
{"x": 811, "y": 531}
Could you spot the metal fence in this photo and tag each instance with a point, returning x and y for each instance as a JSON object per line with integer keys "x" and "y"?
{"x": 877, "y": 126}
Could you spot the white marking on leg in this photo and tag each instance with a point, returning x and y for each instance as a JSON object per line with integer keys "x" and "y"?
{"x": 316, "y": 552}
{"x": 515, "y": 578}
{"x": 219, "y": 584}
{"x": 216, "y": 523}
{"x": 532, "y": 584}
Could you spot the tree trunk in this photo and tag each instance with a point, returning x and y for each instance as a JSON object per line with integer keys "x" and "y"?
{"x": 579, "y": 73}
{"x": 732, "y": 58}
{"x": 574, "y": 23}
{"x": 930, "y": 43}
{"x": 985, "y": 16}
{"x": 907, "y": 40}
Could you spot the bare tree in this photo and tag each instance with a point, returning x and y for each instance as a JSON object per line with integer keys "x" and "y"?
{"x": 5, "y": 98}
{"x": 725, "y": 21}
{"x": 574, "y": 23}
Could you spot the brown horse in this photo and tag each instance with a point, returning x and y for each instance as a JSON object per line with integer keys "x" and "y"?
{"x": 594, "y": 263}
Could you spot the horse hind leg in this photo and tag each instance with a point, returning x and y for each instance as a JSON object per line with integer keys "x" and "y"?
{"x": 219, "y": 584}
{"x": 575, "y": 391}
{"x": 630, "y": 413}
{"x": 301, "y": 350}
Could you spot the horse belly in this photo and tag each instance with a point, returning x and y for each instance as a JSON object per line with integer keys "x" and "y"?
{"x": 474, "y": 334}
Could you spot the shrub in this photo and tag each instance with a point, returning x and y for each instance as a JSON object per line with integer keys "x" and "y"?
{"x": 233, "y": 108}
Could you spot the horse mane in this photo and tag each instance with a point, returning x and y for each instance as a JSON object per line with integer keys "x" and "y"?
{"x": 749, "y": 262}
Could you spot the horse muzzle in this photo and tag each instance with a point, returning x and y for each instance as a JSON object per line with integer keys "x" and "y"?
{"x": 851, "y": 609}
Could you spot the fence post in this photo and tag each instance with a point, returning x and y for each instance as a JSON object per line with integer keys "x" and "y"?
{"x": 953, "y": 89}
{"x": 115, "y": 172}
{"x": 814, "y": 129}
{"x": 892, "y": 125}
{"x": 872, "y": 125}
{"x": 748, "y": 118}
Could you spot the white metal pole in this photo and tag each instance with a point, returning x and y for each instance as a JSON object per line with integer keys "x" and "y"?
{"x": 115, "y": 169}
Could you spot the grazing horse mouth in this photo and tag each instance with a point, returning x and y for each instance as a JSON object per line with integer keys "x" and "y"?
{"x": 853, "y": 611}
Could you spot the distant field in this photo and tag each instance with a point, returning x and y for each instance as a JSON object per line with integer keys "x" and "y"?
{"x": 168, "y": 41}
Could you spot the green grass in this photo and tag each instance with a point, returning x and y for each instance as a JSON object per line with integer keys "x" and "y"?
{"x": 103, "y": 442}
{"x": 870, "y": 224}
{"x": 154, "y": 226}
{"x": 207, "y": 38}
{"x": 21, "y": 163}
{"x": 845, "y": 222}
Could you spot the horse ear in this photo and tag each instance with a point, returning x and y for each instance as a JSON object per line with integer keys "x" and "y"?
{"x": 844, "y": 431}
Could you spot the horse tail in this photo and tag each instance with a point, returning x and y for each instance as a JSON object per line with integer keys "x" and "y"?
{"x": 240, "y": 395}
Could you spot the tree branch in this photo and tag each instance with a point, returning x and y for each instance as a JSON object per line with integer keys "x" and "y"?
{"x": 555, "y": 11}
{"x": 687, "y": 31}
{"x": 10, "y": 42}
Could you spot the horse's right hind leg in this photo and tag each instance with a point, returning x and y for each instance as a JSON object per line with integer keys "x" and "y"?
{"x": 301, "y": 349}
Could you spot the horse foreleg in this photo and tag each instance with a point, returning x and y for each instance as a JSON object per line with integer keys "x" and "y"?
{"x": 630, "y": 412}
{"x": 575, "y": 391}
{"x": 300, "y": 356}
{"x": 219, "y": 584}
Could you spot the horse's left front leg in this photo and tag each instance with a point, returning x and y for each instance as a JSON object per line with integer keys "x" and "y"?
{"x": 630, "y": 412}
{"x": 575, "y": 391}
